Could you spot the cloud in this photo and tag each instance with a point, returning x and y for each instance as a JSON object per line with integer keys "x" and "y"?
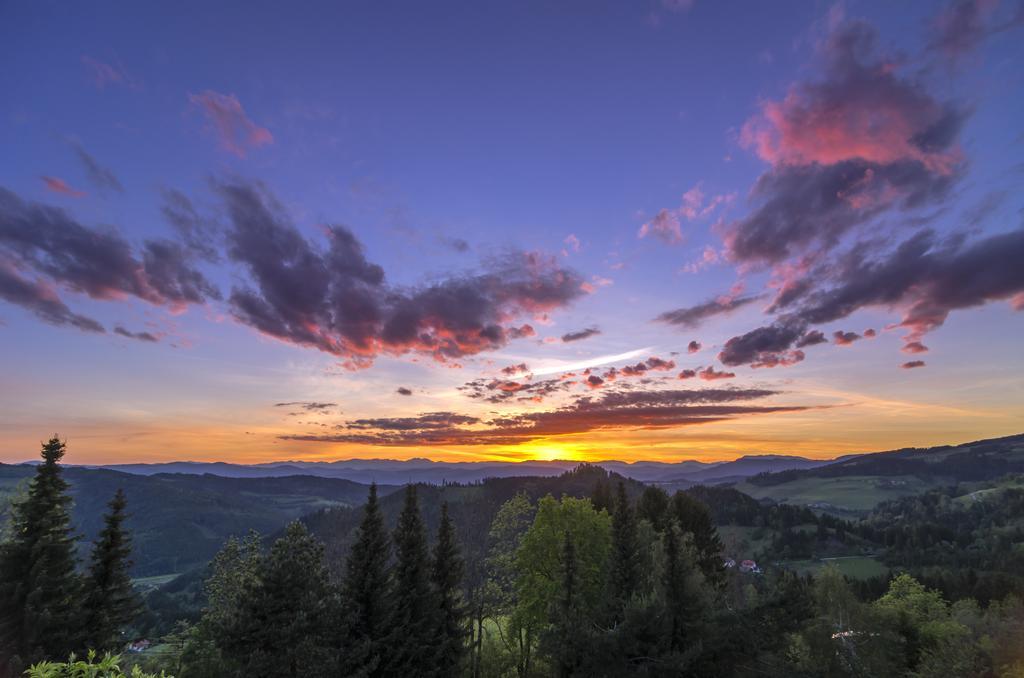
{"x": 914, "y": 347}
{"x": 841, "y": 338}
{"x": 457, "y": 244}
{"x": 98, "y": 263}
{"x": 859, "y": 141}
{"x": 687, "y": 374}
{"x": 308, "y": 405}
{"x": 580, "y": 335}
{"x": 41, "y": 300}
{"x": 226, "y": 117}
{"x": 692, "y": 317}
{"x": 911, "y": 364}
{"x": 964, "y": 24}
{"x": 594, "y": 381}
{"x": 512, "y": 370}
{"x": 710, "y": 374}
{"x": 505, "y": 390}
{"x": 870, "y": 333}
{"x": 60, "y": 186}
{"x": 762, "y": 345}
{"x": 572, "y": 243}
{"x": 401, "y": 390}
{"x": 140, "y": 336}
{"x": 104, "y": 74}
{"x": 631, "y": 410}
{"x": 811, "y": 338}
{"x": 664, "y": 226}
{"x": 200, "y": 234}
{"x": 338, "y": 302}
{"x": 778, "y": 359}
{"x": 101, "y": 177}
{"x": 693, "y": 347}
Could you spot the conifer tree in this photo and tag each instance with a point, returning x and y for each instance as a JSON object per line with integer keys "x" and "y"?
{"x": 282, "y": 627}
{"x": 111, "y": 602}
{"x": 563, "y": 640}
{"x": 653, "y": 507}
{"x": 624, "y": 575}
{"x": 693, "y": 517}
{"x": 39, "y": 588}
{"x": 446, "y": 575}
{"x": 415, "y": 609}
{"x": 366, "y": 596}
{"x": 684, "y": 592}
{"x": 601, "y": 498}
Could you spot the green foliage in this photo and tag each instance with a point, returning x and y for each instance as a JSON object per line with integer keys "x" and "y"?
{"x": 282, "y": 626}
{"x": 111, "y": 602}
{"x": 694, "y": 518}
{"x": 410, "y": 651}
{"x": 624, "y": 575}
{"x": 107, "y": 667}
{"x": 446, "y": 576}
{"x": 366, "y": 595}
{"x": 40, "y": 606}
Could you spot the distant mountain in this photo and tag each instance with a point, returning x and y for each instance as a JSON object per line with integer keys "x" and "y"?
{"x": 395, "y": 472}
{"x": 179, "y": 521}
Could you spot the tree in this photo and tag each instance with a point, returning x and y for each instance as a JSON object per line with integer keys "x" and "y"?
{"x": 366, "y": 595}
{"x": 653, "y": 506}
{"x": 562, "y": 641}
{"x": 111, "y": 602}
{"x": 624, "y": 572}
{"x": 415, "y": 610}
{"x": 446, "y": 575}
{"x": 693, "y": 517}
{"x": 684, "y": 594}
{"x": 107, "y": 667}
{"x": 282, "y": 626}
{"x": 40, "y": 614}
{"x": 601, "y": 498}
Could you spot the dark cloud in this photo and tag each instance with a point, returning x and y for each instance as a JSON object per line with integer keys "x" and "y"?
{"x": 761, "y": 345}
{"x": 457, "y": 244}
{"x": 505, "y": 390}
{"x": 688, "y": 374}
{"x": 964, "y": 24}
{"x": 338, "y": 302}
{"x": 911, "y": 364}
{"x": 709, "y": 373}
{"x": 692, "y": 316}
{"x": 594, "y": 381}
{"x": 811, "y": 338}
{"x": 914, "y": 347}
{"x": 41, "y": 300}
{"x": 200, "y": 234}
{"x": 693, "y": 347}
{"x": 841, "y": 338}
{"x": 631, "y": 410}
{"x": 308, "y": 405}
{"x": 140, "y": 336}
{"x": 99, "y": 263}
{"x": 100, "y": 176}
{"x": 870, "y": 333}
{"x": 403, "y": 391}
{"x": 579, "y": 335}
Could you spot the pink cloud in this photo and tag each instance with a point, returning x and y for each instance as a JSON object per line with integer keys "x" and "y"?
{"x": 710, "y": 374}
{"x": 60, "y": 186}
{"x": 664, "y": 226}
{"x": 235, "y": 131}
{"x": 911, "y": 364}
{"x": 104, "y": 74}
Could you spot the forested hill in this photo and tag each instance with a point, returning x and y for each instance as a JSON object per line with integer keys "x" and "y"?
{"x": 180, "y": 521}
{"x": 979, "y": 460}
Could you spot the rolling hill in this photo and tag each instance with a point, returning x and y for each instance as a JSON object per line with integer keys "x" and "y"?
{"x": 179, "y": 521}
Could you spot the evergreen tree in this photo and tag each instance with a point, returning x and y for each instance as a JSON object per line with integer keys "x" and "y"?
{"x": 693, "y": 517}
{"x": 111, "y": 602}
{"x": 624, "y": 574}
{"x": 366, "y": 595}
{"x": 601, "y": 498}
{"x": 446, "y": 576}
{"x": 684, "y": 594}
{"x": 653, "y": 507}
{"x": 410, "y": 648}
{"x": 564, "y": 639}
{"x": 39, "y": 589}
{"x": 282, "y": 625}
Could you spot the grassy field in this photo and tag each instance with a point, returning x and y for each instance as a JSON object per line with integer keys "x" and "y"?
{"x": 855, "y": 567}
{"x": 852, "y": 493}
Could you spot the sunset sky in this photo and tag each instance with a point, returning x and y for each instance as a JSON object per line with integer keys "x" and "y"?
{"x": 523, "y": 230}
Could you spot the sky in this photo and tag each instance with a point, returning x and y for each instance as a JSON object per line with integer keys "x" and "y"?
{"x": 636, "y": 230}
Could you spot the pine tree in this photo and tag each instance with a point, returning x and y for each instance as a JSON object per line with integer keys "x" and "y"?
{"x": 39, "y": 589}
{"x": 415, "y": 609}
{"x": 653, "y": 507}
{"x": 563, "y": 640}
{"x": 684, "y": 593}
{"x": 451, "y": 631}
{"x": 601, "y": 497}
{"x": 111, "y": 602}
{"x": 693, "y": 517}
{"x": 282, "y": 627}
{"x": 366, "y": 595}
{"x": 624, "y": 575}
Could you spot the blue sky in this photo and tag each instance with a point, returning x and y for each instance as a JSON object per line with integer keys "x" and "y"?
{"x": 448, "y": 139}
